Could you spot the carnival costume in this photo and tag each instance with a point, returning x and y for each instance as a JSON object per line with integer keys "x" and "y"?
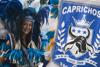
{"x": 10, "y": 13}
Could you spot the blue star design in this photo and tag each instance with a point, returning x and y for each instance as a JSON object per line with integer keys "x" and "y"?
{"x": 84, "y": 32}
{"x": 79, "y": 31}
{"x": 73, "y": 30}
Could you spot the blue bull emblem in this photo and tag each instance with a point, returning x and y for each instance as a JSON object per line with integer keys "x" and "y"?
{"x": 80, "y": 42}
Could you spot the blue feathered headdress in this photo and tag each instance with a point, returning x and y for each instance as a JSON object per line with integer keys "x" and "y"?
{"x": 9, "y": 10}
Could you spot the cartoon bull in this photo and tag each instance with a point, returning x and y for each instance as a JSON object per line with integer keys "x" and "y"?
{"x": 80, "y": 42}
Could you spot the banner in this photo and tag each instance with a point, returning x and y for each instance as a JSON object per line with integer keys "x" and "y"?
{"x": 78, "y": 35}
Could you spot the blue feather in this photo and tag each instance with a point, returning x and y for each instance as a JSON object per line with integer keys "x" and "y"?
{"x": 54, "y": 2}
{"x": 44, "y": 14}
{"x": 50, "y": 34}
{"x": 54, "y": 9}
{"x": 33, "y": 9}
{"x": 10, "y": 8}
{"x": 40, "y": 17}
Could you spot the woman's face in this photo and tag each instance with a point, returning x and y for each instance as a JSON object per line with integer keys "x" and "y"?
{"x": 26, "y": 27}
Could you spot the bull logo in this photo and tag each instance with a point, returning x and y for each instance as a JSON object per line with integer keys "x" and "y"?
{"x": 80, "y": 42}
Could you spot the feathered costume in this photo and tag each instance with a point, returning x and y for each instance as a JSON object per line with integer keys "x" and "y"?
{"x": 9, "y": 11}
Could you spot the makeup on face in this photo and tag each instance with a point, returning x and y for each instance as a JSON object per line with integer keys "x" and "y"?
{"x": 27, "y": 27}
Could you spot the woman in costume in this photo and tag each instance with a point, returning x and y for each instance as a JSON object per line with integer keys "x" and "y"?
{"x": 23, "y": 31}
{"x": 25, "y": 53}
{"x": 24, "y": 43}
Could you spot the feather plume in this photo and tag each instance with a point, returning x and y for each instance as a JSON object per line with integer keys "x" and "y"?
{"x": 44, "y": 14}
{"x": 54, "y": 9}
{"x": 9, "y": 10}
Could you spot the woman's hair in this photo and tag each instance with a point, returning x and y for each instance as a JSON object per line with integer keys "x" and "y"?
{"x": 19, "y": 22}
{"x": 34, "y": 33}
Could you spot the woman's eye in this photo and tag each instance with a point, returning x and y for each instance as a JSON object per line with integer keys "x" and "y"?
{"x": 25, "y": 23}
{"x": 30, "y": 25}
